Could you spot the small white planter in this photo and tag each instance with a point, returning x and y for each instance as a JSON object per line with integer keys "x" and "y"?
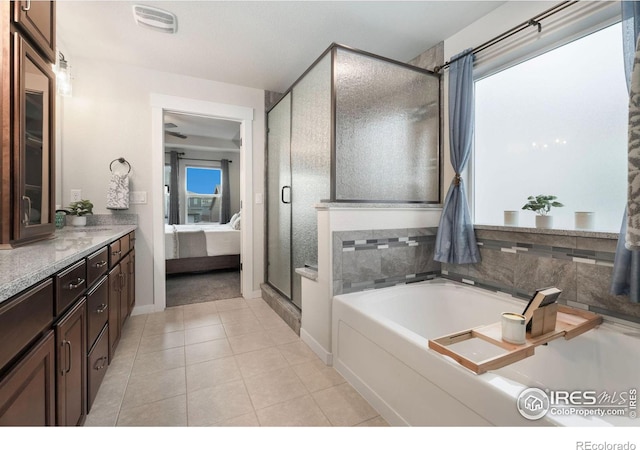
{"x": 78, "y": 221}
{"x": 544, "y": 221}
{"x": 511, "y": 218}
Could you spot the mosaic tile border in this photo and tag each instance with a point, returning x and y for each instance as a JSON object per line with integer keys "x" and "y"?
{"x": 547, "y": 251}
{"x": 384, "y": 243}
{"x": 349, "y": 287}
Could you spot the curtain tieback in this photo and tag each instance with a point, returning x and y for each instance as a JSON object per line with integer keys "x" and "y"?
{"x": 456, "y": 179}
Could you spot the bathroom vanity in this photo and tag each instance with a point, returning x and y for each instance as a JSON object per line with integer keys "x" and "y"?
{"x": 63, "y": 303}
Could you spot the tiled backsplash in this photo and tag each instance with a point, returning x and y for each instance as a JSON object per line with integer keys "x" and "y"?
{"x": 514, "y": 262}
{"x": 519, "y": 263}
{"x": 381, "y": 258}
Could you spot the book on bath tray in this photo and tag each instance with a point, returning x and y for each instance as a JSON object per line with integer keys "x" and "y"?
{"x": 541, "y": 298}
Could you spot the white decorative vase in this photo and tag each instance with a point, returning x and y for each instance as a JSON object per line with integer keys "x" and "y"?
{"x": 78, "y": 221}
{"x": 544, "y": 221}
{"x": 511, "y": 218}
{"x": 585, "y": 220}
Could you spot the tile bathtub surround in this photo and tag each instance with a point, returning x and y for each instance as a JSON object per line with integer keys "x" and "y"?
{"x": 374, "y": 259}
{"x": 520, "y": 262}
{"x": 222, "y": 363}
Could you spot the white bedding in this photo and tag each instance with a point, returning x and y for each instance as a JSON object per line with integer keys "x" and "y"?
{"x": 220, "y": 239}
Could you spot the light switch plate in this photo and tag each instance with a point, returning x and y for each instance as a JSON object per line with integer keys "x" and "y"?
{"x": 138, "y": 197}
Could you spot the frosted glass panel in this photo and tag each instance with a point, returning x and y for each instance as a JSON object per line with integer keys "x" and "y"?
{"x": 278, "y": 193}
{"x": 387, "y": 131}
{"x": 310, "y": 163}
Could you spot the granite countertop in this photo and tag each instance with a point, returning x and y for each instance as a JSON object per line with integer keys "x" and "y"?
{"x": 25, "y": 266}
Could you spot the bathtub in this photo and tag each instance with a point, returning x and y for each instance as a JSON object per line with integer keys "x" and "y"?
{"x": 380, "y": 345}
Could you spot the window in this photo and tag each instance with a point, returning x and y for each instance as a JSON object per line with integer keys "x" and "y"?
{"x": 555, "y": 124}
{"x": 203, "y": 194}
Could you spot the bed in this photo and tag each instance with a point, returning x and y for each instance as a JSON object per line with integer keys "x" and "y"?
{"x": 201, "y": 247}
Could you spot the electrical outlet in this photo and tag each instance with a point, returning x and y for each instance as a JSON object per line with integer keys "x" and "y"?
{"x": 76, "y": 195}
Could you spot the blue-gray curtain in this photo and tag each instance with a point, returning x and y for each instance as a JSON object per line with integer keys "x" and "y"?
{"x": 456, "y": 240}
{"x": 174, "y": 204}
{"x": 225, "y": 204}
{"x": 626, "y": 267}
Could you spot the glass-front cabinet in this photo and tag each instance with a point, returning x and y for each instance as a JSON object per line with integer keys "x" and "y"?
{"x": 34, "y": 94}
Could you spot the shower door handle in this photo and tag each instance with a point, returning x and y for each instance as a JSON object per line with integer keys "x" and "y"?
{"x": 282, "y": 194}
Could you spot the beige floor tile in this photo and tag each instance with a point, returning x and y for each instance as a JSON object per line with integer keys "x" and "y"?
{"x": 299, "y": 412}
{"x": 315, "y": 375}
{"x": 145, "y": 389}
{"x": 282, "y": 335}
{"x": 256, "y": 302}
{"x": 206, "y": 351}
{"x": 231, "y": 303}
{"x": 250, "y": 342}
{"x": 272, "y": 321}
{"x": 201, "y": 320}
{"x": 274, "y": 387}
{"x": 159, "y": 327}
{"x": 375, "y": 422}
{"x": 246, "y": 420}
{"x": 211, "y": 373}
{"x": 264, "y": 311}
{"x": 203, "y": 334}
{"x": 212, "y": 405}
{"x": 102, "y": 415}
{"x": 343, "y": 405}
{"x": 128, "y": 345}
{"x": 171, "y": 412}
{"x": 237, "y": 315}
{"x": 297, "y": 352}
{"x": 199, "y": 308}
{"x": 159, "y": 342}
{"x": 175, "y": 314}
{"x": 245, "y": 326}
{"x": 149, "y": 363}
{"x": 260, "y": 361}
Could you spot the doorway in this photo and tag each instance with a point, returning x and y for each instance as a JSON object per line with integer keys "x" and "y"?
{"x": 201, "y": 208}
{"x": 173, "y": 109}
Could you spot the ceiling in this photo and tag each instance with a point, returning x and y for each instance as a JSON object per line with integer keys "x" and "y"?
{"x": 260, "y": 44}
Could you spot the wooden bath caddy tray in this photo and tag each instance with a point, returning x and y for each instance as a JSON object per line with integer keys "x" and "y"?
{"x": 570, "y": 323}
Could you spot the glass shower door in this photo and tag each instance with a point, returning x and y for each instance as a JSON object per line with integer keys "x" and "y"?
{"x": 279, "y": 197}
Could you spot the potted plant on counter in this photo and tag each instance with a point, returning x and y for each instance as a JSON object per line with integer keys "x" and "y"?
{"x": 542, "y": 205}
{"x": 79, "y": 210}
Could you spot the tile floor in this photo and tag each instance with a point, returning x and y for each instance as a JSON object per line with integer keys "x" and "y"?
{"x": 222, "y": 363}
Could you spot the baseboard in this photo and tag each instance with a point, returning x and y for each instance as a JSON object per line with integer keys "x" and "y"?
{"x": 145, "y": 309}
{"x": 254, "y": 294}
{"x": 325, "y": 356}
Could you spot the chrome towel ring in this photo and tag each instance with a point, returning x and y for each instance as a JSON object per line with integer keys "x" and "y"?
{"x": 121, "y": 160}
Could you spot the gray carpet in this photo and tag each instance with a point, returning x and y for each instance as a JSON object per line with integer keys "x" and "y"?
{"x": 184, "y": 289}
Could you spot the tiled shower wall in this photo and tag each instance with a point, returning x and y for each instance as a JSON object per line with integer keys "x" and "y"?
{"x": 521, "y": 262}
{"x": 513, "y": 262}
{"x": 381, "y": 258}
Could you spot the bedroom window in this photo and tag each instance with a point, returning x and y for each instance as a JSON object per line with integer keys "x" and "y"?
{"x": 203, "y": 191}
{"x": 555, "y": 124}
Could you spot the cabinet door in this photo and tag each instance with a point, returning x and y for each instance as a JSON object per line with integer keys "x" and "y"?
{"x": 33, "y": 143}
{"x": 114, "y": 310}
{"x": 71, "y": 373}
{"x": 124, "y": 289}
{"x": 27, "y": 392}
{"x": 132, "y": 280}
{"x": 37, "y": 19}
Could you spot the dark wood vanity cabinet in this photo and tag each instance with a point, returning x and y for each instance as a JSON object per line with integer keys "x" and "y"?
{"x": 58, "y": 340}
{"x": 27, "y": 122}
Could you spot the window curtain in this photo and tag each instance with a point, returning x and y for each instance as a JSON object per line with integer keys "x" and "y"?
{"x": 174, "y": 204}
{"x": 456, "y": 241}
{"x": 225, "y": 204}
{"x": 625, "y": 279}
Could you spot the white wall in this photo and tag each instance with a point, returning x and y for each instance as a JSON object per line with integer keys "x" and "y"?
{"x": 109, "y": 116}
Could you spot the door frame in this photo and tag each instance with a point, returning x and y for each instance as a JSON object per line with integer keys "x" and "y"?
{"x": 242, "y": 114}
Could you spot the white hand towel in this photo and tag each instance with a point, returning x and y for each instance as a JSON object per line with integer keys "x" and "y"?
{"x": 118, "y": 193}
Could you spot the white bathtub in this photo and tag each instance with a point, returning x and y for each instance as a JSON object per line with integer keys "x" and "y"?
{"x": 380, "y": 345}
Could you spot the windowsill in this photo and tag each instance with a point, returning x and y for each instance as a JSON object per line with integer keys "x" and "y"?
{"x": 550, "y": 231}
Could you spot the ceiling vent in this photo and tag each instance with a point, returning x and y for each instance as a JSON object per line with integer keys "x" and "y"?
{"x": 155, "y": 19}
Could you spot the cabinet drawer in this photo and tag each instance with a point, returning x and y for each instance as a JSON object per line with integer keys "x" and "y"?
{"x": 97, "y": 362}
{"x": 97, "y": 310}
{"x": 97, "y": 265}
{"x": 23, "y": 318}
{"x": 70, "y": 285}
{"x": 115, "y": 253}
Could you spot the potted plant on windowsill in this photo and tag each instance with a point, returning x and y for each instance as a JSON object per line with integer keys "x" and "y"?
{"x": 79, "y": 210}
{"x": 542, "y": 205}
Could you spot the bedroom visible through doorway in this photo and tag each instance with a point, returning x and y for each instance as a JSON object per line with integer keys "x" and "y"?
{"x": 201, "y": 208}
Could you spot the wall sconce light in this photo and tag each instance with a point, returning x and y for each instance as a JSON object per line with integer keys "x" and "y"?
{"x": 63, "y": 76}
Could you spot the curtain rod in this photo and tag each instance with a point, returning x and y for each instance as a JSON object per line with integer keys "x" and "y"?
{"x": 533, "y": 22}
{"x": 209, "y": 160}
